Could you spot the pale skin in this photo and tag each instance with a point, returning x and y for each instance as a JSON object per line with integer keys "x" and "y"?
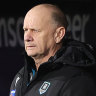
{"x": 42, "y": 37}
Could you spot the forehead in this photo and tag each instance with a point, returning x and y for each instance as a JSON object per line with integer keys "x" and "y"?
{"x": 38, "y": 17}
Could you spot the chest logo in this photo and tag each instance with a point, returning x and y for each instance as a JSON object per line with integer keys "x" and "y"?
{"x": 44, "y": 87}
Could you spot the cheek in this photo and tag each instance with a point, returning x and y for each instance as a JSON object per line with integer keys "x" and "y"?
{"x": 43, "y": 41}
{"x": 41, "y": 45}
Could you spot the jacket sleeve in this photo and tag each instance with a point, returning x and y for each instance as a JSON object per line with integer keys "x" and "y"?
{"x": 79, "y": 86}
{"x": 16, "y": 84}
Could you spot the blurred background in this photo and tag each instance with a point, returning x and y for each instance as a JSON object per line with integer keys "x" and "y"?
{"x": 81, "y": 16}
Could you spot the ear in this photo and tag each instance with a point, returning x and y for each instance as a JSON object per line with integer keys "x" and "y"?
{"x": 59, "y": 34}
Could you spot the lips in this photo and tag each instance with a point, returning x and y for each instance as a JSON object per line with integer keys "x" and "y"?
{"x": 30, "y": 47}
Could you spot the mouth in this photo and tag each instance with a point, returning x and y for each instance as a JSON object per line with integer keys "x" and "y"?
{"x": 30, "y": 47}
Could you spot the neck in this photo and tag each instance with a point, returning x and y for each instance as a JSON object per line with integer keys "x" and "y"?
{"x": 41, "y": 59}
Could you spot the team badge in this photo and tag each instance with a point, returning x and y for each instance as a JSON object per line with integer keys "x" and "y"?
{"x": 44, "y": 87}
{"x": 12, "y": 93}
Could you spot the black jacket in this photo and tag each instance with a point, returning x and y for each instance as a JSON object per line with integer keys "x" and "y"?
{"x": 71, "y": 72}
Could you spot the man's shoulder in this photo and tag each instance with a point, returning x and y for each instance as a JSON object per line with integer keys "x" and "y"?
{"x": 19, "y": 73}
{"x": 17, "y": 78}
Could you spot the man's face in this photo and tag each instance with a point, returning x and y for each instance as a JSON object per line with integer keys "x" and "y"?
{"x": 38, "y": 34}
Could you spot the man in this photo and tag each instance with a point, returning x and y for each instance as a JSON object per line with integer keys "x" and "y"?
{"x": 54, "y": 66}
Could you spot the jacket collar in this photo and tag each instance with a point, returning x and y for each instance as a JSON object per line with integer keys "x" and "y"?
{"x": 73, "y": 52}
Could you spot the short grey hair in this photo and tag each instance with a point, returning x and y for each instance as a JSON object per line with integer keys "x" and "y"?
{"x": 57, "y": 15}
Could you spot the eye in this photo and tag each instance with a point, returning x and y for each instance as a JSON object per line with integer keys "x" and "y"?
{"x": 35, "y": 30}
{"x": 31, "y": 30}
{"x": 25, "y": 29}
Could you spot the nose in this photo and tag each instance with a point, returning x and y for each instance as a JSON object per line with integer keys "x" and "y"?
{"x": 28, "y": 36}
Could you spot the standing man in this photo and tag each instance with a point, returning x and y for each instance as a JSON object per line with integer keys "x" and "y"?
{"x": 54, "y": 66}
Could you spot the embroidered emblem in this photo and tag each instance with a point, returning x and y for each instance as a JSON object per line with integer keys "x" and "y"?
{"x": 13, "y": 93}
{"x": 44, "y": 87}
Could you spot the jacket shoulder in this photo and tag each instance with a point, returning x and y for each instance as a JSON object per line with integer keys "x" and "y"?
{"x": 17, "y": 79}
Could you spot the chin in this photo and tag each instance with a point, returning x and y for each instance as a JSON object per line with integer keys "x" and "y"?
{"x": 28, "y": 54}
{"x": 31, "y": 54}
